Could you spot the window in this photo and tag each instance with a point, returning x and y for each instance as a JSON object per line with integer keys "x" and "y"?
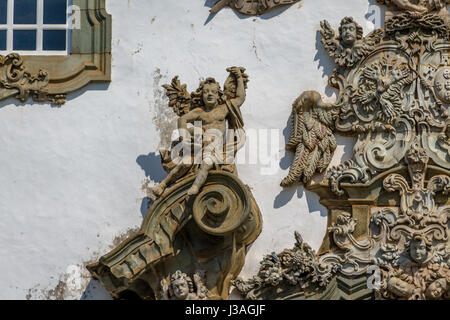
{"x": 35, "y": 27}
{"x": 53, "y": 47}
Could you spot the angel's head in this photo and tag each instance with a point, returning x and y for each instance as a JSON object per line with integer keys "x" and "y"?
{"x": 210, "y": 92}
{"x": 181, "y": 285}
{"x": 419, "y": 249}
{"x": 350, "y": 31}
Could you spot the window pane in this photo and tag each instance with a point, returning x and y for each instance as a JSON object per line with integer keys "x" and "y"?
{"x": 24, "y": 39}
{"x": 54, "y": 40}
{"x": 25, "y": 11}
{"x": 2, "y": 39}
{"x": 55, "y": 11}
{"x": 3, "y": 11}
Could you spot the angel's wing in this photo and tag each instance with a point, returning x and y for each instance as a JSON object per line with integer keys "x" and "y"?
{"x": 179, "y": 99}
{"x": 373, "y": 38}
{"x": 329, "y": 40}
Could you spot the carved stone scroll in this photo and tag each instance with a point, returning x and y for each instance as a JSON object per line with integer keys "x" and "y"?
{"x": 17, "y": 82}
{"x": 251, "y": 7}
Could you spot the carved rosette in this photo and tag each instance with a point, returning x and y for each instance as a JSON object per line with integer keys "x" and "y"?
{"x": 207, "y": 232}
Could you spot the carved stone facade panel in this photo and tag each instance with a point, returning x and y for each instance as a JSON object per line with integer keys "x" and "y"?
{"x": 388, "y": 206}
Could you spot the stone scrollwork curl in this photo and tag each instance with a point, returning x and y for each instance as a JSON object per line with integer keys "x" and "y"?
{"x": 17, "y": 82}
{"x": 221, "y": 209}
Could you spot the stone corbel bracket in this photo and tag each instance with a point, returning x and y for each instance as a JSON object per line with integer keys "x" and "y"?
{"x": 89, "y": 60}
{"x": 210, "y": 231}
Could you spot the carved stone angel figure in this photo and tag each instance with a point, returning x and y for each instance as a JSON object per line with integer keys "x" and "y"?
{"x": 418, "y": 6}
{"x": 312, "y": 139}
{"x": 213, "y": 108}
{"x": 349, "y": 47}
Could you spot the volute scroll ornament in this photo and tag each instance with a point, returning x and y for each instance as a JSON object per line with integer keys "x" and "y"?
{"x": 17, "y": 82}
{"x": 251, "y": 7}
{"x": 193, "y": 240}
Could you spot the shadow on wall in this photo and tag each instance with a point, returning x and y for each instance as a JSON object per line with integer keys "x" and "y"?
{"x": 70, "y": 96}
{"x": 151, "y": 164}
{"x": 95, "y": 291}
{"x": 271, "y": 14}
{"x": 89, "y": 87}
{"x": 324, "y": 62}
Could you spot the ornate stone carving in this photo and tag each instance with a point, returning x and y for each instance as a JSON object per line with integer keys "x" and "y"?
{"x": 17, "y": 82}
{"x": 312, "y": 139}
{"x": 250, "y": 7}
{"x": 416, "y": 6}
{"x": 388, "y": 206}
{"x": 50, "y": 78}
{"x": 295, "y": 267}
{"x": 203, "y": 217}
{"x": 180, "y": 286}
{"x": 349, "y": 47}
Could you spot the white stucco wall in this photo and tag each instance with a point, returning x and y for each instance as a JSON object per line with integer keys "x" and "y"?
{"x": 71, "y": 177}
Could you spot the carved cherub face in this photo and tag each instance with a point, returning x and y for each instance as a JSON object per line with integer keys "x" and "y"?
{"x": 418, "y": 251}
{"x": 349, "y": 33}
{"x": 210, "y": 94}
{"x": 436, "y": 289}
{"x": 180, "y": 288}
{"x": 446, "y": 74}
{"x": 399, "y": 287}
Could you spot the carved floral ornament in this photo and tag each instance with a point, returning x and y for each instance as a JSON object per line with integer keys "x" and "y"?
{"x": 194, "y": 238}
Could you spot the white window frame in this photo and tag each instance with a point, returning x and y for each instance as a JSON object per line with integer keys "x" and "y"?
{"x": 39, "y": 27}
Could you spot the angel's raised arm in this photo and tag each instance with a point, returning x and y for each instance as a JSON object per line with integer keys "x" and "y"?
{"x": 240, "y": 86}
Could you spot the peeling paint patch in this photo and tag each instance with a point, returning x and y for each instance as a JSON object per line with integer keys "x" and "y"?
{"x": 165, "y": 119}
{"x": 70, "y": 286}
{"x": 123, "y": 236}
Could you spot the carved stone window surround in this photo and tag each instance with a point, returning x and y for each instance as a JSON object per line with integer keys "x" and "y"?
{"x": 51, "y": 78}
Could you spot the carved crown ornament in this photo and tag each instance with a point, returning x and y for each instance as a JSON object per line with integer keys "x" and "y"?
{"x": 388, "y": 206}
{"x": 51, "y": 78}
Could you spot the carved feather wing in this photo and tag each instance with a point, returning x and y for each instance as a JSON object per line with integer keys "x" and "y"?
{"x": 179, "y": 98}
{"x": 368, "y": 44}
{"x": 374, "y": 38}
{"x": 329, "y": 40}
{"x": 297, "y": 128}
